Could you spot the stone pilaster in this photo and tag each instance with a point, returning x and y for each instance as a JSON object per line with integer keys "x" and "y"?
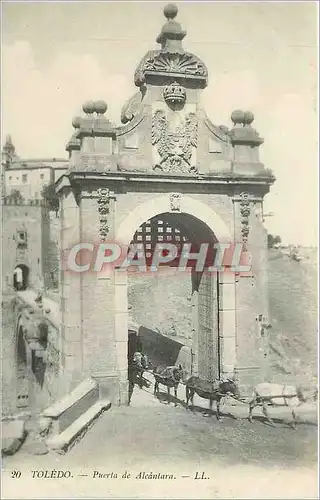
{"x": 251, "y": 296}
{"x": 70, "y": 293}
{"x": 121, "y": 331}
{"x": 227, "y": 323}
{"x": 195, "y": 332}
{"x": 98, "y": 299}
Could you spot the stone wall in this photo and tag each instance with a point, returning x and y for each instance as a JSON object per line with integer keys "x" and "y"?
{"x": 43, "y": 373}
{"x": 53, "y": 257}
{"x": 46, "y": 385}
{"x": 33, "y": 220}
{"x": 41, "y": 339}
{"x": 8, "y": 358}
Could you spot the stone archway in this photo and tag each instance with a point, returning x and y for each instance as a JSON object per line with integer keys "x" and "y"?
{"x": 167, "y": 158}
{"x": 21, "y": 277}
{"x": 172, "y": 203}
{"x": 214, "y": 336}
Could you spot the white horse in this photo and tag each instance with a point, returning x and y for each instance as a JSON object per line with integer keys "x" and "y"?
{"x": 280, "y": 395}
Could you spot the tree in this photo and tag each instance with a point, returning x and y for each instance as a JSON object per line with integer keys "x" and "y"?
{"x": 51, "y": 199}
{"x": 273, "y": 240}
{"x": 15, "y": 197}
{"x": 277, "y": 240}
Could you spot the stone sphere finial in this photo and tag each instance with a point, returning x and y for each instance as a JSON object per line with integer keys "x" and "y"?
{"x": 248, "y": 118}
{"x": 88, "y": 107}
{"x": 237, "y": 116}
{"x": 224, "y": 129}
{"x": 76, "y": 122}
{"x": 170, "y": 11}
{"x": 100, "y": 107}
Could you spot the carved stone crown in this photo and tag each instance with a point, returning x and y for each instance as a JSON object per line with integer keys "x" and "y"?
{"x": 174, "y": 93}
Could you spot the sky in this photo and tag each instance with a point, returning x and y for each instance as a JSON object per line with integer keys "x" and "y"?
{"x": 260, "y": 57}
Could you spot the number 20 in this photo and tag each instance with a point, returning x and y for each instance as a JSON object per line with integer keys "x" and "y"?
{"x": 15, "y": 474}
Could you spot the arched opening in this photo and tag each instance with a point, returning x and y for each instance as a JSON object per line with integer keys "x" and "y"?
{"x": 21, "y": 350}
{"x": 208, "y": 296}
{"x": 21, "y": 277}
{"x": 175, "y": 307}
{"x": 22, "y": 370}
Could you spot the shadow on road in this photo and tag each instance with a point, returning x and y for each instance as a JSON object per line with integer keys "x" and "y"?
{"x": 284, "y": 423}
{"x": 165, "y": 398}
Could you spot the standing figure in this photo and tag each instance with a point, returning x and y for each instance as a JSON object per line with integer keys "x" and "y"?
{"x": 18, "y": 278}
{"x": 136, "y": 368}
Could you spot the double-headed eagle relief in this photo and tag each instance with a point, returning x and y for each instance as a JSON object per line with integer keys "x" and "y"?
{"x": 175, "y": 147}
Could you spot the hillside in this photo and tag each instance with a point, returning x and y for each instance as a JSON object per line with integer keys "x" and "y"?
{"x": 293, "y": 313}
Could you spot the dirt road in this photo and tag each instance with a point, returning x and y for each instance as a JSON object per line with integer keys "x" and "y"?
{"x": 239, "y": 460}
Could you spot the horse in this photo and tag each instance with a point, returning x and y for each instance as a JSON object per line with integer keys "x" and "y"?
{"x": 266, "y": 393}
{"x": 136, "y": 368}
{"x": 214, "y": 391}
{"x": 169, "y": 376}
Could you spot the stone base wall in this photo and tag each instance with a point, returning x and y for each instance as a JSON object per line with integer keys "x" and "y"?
{"x": 8, "y": 358}
{"x": 38, "y": 381}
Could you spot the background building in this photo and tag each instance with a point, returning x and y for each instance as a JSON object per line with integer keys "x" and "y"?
{"x": 29, "y": 229}
{"x": 29, "y": 176}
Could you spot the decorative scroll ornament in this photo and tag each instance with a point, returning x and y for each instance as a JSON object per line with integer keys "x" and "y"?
{"x": 132, "y": 106}
{"x": 103, "y": 208}
{"x": 245, "y": 215}
{"x": 174, "y": 147}
{"x": 175, "y": 202}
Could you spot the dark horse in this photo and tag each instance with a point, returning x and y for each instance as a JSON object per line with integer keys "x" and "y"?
{"x": 214, "y": 391}
{"x": 136, "y": 368}
{"x": 169, "y": 376}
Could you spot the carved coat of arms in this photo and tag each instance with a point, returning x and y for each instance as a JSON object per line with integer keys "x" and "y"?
{"x": 175, "y": 147}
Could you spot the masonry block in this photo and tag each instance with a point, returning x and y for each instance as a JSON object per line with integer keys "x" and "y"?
{"x": 121, "y": 326}
{"x": 227, "y": 297}
{"x": 121, "y": 353}
{"x": 228, "y": 353}
{"x": 227, "y": 319}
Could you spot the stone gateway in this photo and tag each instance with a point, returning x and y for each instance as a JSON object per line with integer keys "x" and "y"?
{"x": 167, "y": 165}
